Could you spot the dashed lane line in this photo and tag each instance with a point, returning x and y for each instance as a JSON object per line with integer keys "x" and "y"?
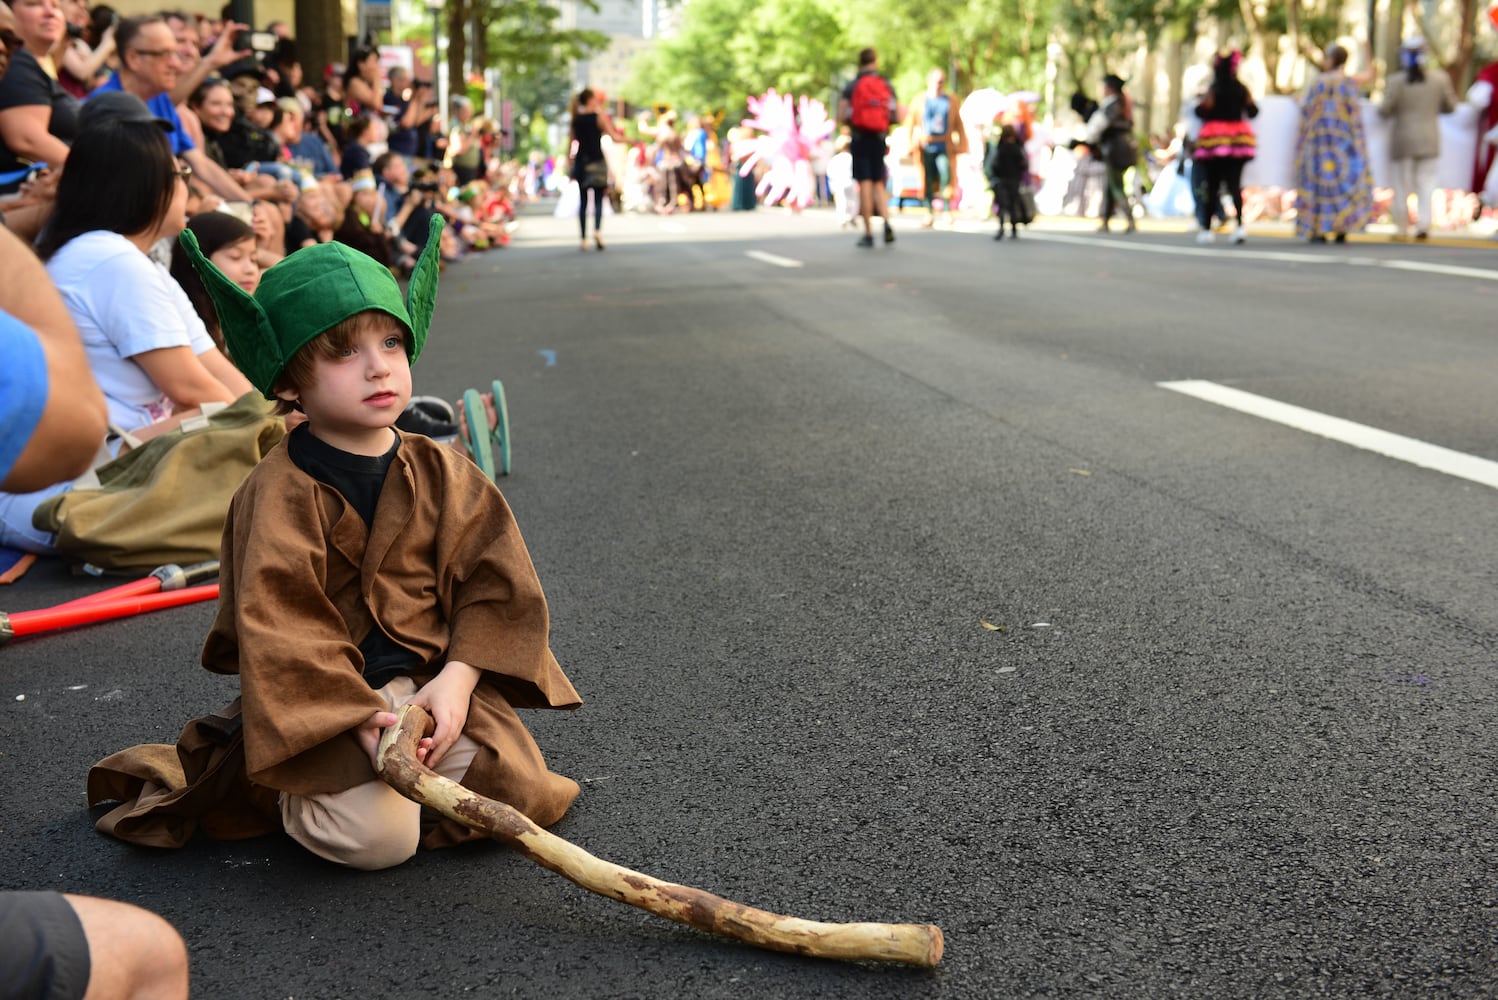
{"x": 770, "y": 258}
{"x": 1397, "y": 446}
{"x": 1326, "y": 257}
{"x": 1282, "y": 256}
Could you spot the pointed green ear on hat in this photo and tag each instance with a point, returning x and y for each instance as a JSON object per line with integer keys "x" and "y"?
{"x": 421, "y": 292}
{"x": 247, "y": 330}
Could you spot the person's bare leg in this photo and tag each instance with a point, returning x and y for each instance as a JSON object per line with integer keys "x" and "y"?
{"x": 866, "y": 202}
{"x": 133, "y": 953}
{"x": 881, "y": 205}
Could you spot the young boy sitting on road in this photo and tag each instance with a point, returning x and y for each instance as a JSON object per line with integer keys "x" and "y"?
{"x": 362, "y": 569}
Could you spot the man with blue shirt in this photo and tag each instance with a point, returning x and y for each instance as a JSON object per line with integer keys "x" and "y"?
{"x": 52, "y": 422}
{"x": 934, "y": 130}
{"x": 46, "y": 436}
{"x": 149, "y": 67}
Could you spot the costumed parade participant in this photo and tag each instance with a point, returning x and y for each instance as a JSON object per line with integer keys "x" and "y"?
{"x": 363, "y": 569}
{"x": 1110, "y": 134}
{"x": 1415, "y": 98}
{"x": 1007, "y": 167}
{"x": 1483, "y": 95}
{"x": 1334, "y": 182}
{"x": 791, "y": 130}
{"x": 1224, "y": 144}
{"x": 718, "y": 192}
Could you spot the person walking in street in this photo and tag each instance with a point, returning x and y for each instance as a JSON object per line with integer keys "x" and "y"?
{"x": 936, "y": 130}
{"x": 867, "y": 108}
{"x": 1224, "y": 145}
{"x": 589, "y": 168}
{"x": 1110, "y": 133}
{"x": 1415, "y": 98}
{"x": 669, "y": 157}
{"x": 740, "y": 146}
{"x": 1006, "y": 166}
{"x": 1334, "y": 188}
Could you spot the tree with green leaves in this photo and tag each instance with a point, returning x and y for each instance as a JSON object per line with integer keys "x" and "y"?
{"x": 538, "y": 95}
{"x": 1310, "y": 26}
{"x": 513, "y": 36}
{"x": 729, "y": 49}
{"x": 980, "y": 43}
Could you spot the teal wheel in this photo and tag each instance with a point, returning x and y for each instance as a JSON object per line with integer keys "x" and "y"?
{"x": 501, "y": 429}
{"x": 476, "y": 421}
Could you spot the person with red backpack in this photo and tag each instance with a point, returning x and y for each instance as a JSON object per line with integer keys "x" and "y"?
{"x": 867, "y": 108}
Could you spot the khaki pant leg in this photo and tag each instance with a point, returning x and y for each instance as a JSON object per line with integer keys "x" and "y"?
{"x": 369, "y": 826}
{"x": 1426, "y": 172}
{"x": 1402, "y": 180}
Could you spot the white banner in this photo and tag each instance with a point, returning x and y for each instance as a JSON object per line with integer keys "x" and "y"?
{"x": 1278, "y": 128}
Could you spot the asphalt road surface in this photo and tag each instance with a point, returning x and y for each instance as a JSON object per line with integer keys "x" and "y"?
{"x": 911, "y": 584}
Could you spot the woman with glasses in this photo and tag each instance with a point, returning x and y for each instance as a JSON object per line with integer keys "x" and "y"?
{"x": 122, "y": 192}
{"x": 38, "y": 118}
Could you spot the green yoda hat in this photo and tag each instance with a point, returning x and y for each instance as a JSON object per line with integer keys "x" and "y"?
{"x": 309, "y": 292}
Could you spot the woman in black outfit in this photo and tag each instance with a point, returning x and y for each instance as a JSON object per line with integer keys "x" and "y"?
{"x": 1006, "y": 166}
{"x": 589, "y": 168}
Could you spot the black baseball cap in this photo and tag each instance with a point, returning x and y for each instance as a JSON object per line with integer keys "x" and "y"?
{"x": 107, "y": 106}
{"x": 244, "y": 67}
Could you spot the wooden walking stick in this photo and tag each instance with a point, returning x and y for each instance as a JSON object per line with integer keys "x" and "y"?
{"x": 914, "y": 944}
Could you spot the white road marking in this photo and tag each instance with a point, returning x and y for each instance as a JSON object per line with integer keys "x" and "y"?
{"x": 770, "y": 258}
{"x": 672, "y": 227}
{"x": 1464, "y": 272}
{"x": 1427, "y": 456}
{"x": 1323, "y": 257}
{"x": 1119, "y": 242}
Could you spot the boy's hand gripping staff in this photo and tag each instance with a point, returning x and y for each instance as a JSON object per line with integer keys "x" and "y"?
{"x": 914, "y": 944}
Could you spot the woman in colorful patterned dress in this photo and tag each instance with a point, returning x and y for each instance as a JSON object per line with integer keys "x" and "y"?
{"x": 1335, "y": 187}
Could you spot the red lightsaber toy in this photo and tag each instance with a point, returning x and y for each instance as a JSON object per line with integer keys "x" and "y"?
{"x": 166, "y": 587}
{"x": 160, "y": 580}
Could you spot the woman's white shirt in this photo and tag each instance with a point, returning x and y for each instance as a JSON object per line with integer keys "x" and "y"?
{"x": 125, "y": 304}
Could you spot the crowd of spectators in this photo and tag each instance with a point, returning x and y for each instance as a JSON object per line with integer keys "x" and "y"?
{"x": 116, "y": 134}
{"x": 299, "y": 156}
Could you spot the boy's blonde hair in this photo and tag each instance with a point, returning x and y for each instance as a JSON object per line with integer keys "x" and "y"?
{"x": 301, "y": 370}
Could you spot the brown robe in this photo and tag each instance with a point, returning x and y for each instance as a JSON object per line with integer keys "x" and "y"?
{"x": 443, "y": 570}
